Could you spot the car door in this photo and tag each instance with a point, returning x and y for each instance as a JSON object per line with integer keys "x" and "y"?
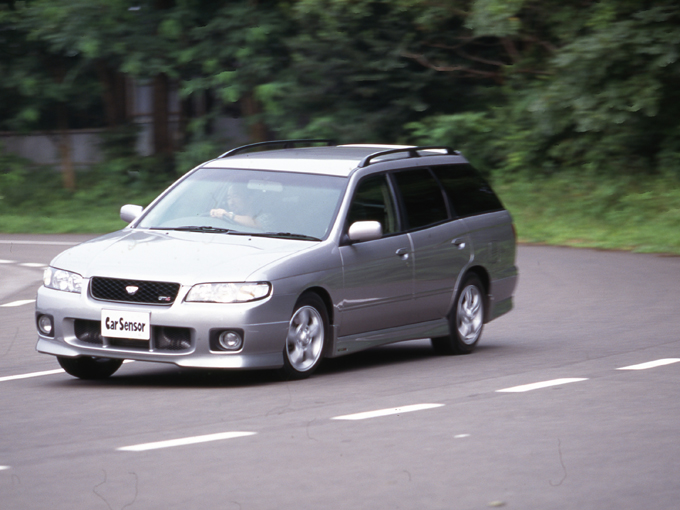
{"x": 441, "y": 244}
{"x": 378, "y": 274}
{"x": 489, "y": 226}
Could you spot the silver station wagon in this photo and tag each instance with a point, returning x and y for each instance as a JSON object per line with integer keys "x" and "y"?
{"x": 277, "y": 255}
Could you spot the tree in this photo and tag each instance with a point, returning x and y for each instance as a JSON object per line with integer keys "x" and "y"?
{"x": 241, "y": 48}
{"x": 49, "y": 89}
{"x": 535, "y": 85}
{"x": 613, "y": 100}
{"x": 583, "y": 84}
{"x": 347, "y": 78}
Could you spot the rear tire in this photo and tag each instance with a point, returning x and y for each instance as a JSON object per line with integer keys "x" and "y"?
{"x": 466, "y": 320}
{"x": 306, "y": 340}
{"x": 86, "y": 367}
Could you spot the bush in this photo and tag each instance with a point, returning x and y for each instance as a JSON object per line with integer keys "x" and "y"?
{"x": 24, "y": 183}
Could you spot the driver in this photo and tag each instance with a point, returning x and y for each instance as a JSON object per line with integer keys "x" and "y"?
{"x": 240, "y": 208}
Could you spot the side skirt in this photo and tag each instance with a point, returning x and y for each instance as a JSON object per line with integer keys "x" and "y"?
{"x": 354, "y": 343}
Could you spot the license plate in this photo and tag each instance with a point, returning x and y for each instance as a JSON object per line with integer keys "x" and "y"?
{"x": 124, "y": 324}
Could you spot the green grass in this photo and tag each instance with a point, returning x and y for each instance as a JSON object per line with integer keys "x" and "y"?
{"x": 624, "y": 213}
{"x": 77, "y": 214}
{"x": 32, "y": 199}
{"x": 90, "y": 221}
{"x": 640, "y": 214}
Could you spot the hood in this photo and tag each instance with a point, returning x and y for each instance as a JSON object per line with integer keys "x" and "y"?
{"x": 182, "y": 257}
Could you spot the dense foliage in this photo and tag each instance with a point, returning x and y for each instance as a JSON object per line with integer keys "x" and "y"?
{"x": 522, "y": 86}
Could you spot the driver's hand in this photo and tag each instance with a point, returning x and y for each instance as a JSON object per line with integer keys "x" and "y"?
{"x": 218, "y": 213}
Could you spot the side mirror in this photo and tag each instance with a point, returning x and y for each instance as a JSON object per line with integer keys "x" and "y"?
{"x": 129, "y": 212}
{"x": 364, "y": 231}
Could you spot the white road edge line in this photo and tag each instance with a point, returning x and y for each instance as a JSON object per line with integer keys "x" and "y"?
{"x": 651, "y": 364}
{"x": 184, "y": 441}
{"x": 539, "y": 385}
{"x": 18, "y": 303}
{"x": 387, "y": 412}
{"x": 40, "y": 374}
{"x": 34, "y": 374}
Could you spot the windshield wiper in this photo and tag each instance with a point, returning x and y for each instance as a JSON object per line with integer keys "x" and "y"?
{"x": 218, "y": 230}
{"x": 194, "y": 228}
{"x": 280, "y": 235}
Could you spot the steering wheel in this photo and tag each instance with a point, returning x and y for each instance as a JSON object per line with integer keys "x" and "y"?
{"x": 223, "y": 218}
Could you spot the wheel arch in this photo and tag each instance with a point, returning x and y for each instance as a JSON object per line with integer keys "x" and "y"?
{"x": 327, "y": 301}
{"x": 485, "y": 279}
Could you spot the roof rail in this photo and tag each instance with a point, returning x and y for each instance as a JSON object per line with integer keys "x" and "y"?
{"x": 413, "y": 152}
{"x": 287, "y": 144}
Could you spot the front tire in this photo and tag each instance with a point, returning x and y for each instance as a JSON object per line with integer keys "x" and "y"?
{"x": 306, "y": 339}
{"x": 466, "y": 320}
{"x": 86, "y": 367}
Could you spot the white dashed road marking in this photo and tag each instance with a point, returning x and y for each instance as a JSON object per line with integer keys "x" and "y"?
{"x": 387, "y": 412}
{"x": 33, "y": 264}
{"x": 2, "y": 468}
{"x": 184, "y": 441}
{"x": 539, "y": 385}
{"x": 17, "y": 303}
{"x": 651, "y": 364}
{"x": 7, "y": 261}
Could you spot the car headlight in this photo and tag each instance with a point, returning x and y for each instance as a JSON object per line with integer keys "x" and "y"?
{"x": 59, "y": 279}
{"x": 228, "y": 292}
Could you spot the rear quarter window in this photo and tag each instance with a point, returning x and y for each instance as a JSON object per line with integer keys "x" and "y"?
{"x": 468, "y": 191}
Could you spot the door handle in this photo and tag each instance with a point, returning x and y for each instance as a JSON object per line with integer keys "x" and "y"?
{"x": 459, "y": 243}
{"x": 402, "y": 252}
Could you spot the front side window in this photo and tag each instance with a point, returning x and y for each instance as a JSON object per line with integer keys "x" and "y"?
{"x": 422, "y": 198}
{"x": 372, "y": 201}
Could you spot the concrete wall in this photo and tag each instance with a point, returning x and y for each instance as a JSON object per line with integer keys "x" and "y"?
{"x": 43, "y": 147}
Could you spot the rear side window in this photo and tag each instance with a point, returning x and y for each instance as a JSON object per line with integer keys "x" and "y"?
{"x": 468, "y": 192}
{"x": 422, "y": 197}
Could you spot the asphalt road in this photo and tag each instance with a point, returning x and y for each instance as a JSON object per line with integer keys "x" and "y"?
{"x": 439, "y": 433}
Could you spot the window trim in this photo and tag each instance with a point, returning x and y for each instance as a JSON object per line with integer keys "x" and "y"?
{"x": 399, "y": 204}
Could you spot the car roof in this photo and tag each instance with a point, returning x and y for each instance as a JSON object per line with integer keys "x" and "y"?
{"x": 339, "y": 160}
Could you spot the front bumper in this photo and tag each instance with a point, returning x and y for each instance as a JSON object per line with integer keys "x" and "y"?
{"x": 264, "y": 324}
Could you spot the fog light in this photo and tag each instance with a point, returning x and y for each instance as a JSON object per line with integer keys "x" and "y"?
{"x": 46, "y": 325}
{"x": 230, "y": 340}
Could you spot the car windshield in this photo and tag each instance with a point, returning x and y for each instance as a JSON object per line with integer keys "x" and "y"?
{"x": 231, "y": 201}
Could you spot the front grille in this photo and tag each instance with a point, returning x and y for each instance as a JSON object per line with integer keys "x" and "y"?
{"x": 163, "y": 338}
{"x": 134, "y": 291}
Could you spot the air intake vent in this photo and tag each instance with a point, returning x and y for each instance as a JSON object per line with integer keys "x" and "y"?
{"x": 163, "y": 338}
